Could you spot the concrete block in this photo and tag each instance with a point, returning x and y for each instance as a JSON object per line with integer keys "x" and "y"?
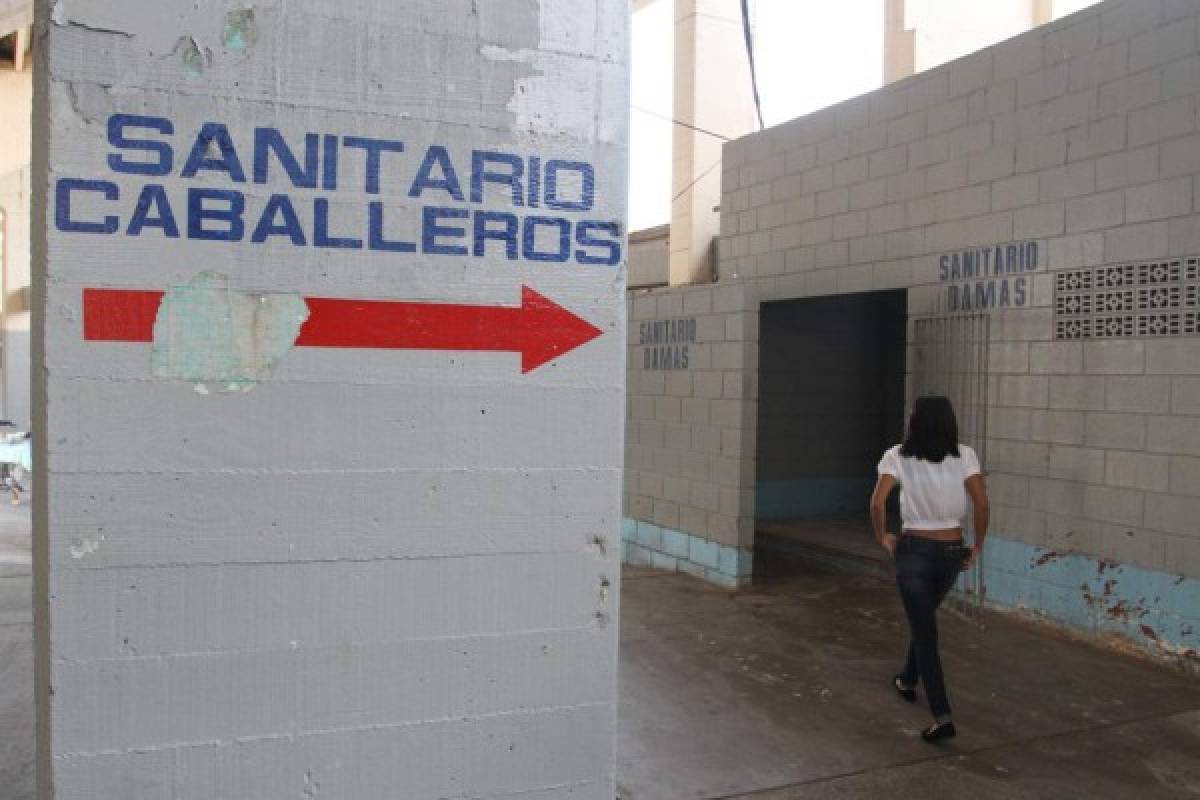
{"x": 1056, "y": 358}
{"x": 834, "y": 149}
{"x": 628, "y": 529}
{"x": 705, "y": 553}
{"x": 1077, "y": 393}
{"x": 1060, "y": 497}
{"x": 1079, "y": 464}
{"x": 1174, "y": 514}
{"x": 1070, "y": 180}
{"x": 1131, "y": 93}
{"x": 1039, "y": 87}
{"x": 989, "y": 165}
{"x": 1138, "y": 471}
{"x": 1138, "y": 394}
{"x": 1182, "y": 554}
{"x": 1009, "y": 423}
{"x": 950, "y": 174}
{"x": 1000, "y": 99}
{"x": 1018, "y": 458}
{"x": 1056, "y": 427}
{"x": 867, "y": 140}
{"x": 1173, "y": 435}
{"x": 1140, "y": 242}
{"x": 1039, "y": 221}
{"x": 1128, "y": 168}
{"x": 888, "y": 162}
{"x": 1096, "y": 138}
{"x": 1119, "y": 506}
{"x": 1181, "y": 77}
{"x": 1181, "y": 157}
{"x": 663, "y": 561}
{"x": 1011, "y": 193}
{"x": 1169, "y": 198}
{"x": 970, "y": 73}
{"x": 1122, "y": 357}
{"x": 1069, "y": 111}
{"x": 1183, "y": 235}
{"x": 1074, "y": 41}
{"x": 834, "y": 201}
{"x": 1099, "y": 66}
{"x": 850, "y": 171}
{"x": 1185, "y": 475}
{"x": 970, "y": 139}
{"x": 1158, "y": 46}
{"x": 666, "y": 513}
{"x": 1018, "y": 56}
{"x": 1174, "y": 357}
{"x": 1185, "y": 395}
{"x": 1095, "y": 212}
{"x": 1041, "y": 152}
{"x": 1115, "y": 431}
{"x": 946, "y": 116}
{"x": 649, "y": 535}
{"x": 867, "y": 195}
{"x": 1163, "y": 121}
{"x": 676, "y": 543}
{"x": 1127, "y": 20}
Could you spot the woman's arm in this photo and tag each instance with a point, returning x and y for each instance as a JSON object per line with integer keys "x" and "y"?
{"x": 883, "y": 488}
{"x": 977, "y": 491}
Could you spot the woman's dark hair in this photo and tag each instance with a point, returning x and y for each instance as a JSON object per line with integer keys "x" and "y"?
{"x": 932, "y": 430}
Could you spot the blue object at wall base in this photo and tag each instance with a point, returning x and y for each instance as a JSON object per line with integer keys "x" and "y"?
{"x": 645, "y": 544}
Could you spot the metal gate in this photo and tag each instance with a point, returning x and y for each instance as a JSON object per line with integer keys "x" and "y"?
{"x": 950, "y": 358}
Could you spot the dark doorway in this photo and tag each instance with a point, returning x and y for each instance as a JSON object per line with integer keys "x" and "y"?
{"x": 831, "y": 400}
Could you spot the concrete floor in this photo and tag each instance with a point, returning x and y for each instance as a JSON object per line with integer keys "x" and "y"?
{"x": 16, "y": 654}
{"x": 780, "y": 692}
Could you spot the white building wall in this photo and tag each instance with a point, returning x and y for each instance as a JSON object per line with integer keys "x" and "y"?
{"x": 269, "y": 570}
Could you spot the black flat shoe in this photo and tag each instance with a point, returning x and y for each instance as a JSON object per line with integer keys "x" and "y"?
{"x": 939, "y": 730}
{"x": 909, "y": 693}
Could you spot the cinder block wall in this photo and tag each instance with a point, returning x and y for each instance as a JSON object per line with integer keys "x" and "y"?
{"x": 689, "y": 434}
{"x": 1080, "y": 137}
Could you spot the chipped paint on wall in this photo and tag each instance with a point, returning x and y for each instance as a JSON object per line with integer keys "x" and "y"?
{"x": 207, "y": 333}
{"x": 1157, "y": 611}
{"x": 240, "y": 30}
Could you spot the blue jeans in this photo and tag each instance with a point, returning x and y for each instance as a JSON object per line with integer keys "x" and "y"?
{"x": 925, "y": 572}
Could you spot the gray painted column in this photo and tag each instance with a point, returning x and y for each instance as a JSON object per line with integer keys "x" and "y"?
{"x": 327, "y": 502}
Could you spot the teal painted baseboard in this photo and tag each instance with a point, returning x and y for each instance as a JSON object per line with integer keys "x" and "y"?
{"x": 1156, "y": 610}
{"x": 649, "y": 545}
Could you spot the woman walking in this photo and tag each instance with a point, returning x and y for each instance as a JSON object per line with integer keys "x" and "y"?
{"x": 935, "y": 474}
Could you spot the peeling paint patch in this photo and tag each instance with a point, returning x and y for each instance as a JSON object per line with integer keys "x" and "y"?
{"x": 192, "y": 57}
{"x": 207, "y": 333}
{"x": 240, "y": 31}
{"x": 85, "y": 547}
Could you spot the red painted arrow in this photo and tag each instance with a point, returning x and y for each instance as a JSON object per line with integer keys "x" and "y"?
{"x": 539, "y": 329}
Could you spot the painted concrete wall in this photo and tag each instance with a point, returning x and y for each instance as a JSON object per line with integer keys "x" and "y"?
{"x": 267, "y": 568}
{"x": 16, "y": 99}
{"x": 1080, "y": 137}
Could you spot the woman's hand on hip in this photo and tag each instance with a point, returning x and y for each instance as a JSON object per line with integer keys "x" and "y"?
{"x": 889, "y": 542}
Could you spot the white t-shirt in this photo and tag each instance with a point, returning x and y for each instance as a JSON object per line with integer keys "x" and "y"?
{"x": 932, "y": 496}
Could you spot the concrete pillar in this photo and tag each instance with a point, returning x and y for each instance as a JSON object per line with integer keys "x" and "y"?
{"x": 712, "y": 92}
{"x": 899, "y": 43}
{"x": 329, "y": 356}
{"x": 1043, "y": 11}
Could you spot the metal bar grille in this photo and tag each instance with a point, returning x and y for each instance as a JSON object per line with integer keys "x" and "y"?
{"x": 950, "y": 358}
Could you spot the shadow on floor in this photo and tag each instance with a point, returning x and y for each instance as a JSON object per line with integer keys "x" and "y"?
{"x": 785, "y": 686}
